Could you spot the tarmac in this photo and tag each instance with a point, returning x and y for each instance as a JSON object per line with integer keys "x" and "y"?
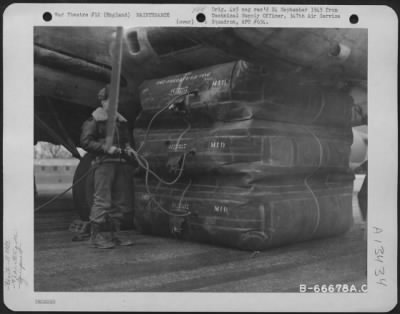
{"x": 169, "y": 265}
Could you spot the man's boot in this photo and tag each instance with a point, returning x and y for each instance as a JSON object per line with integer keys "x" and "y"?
{"x": 115, "y": 230}
{"x": 97, "y": 240}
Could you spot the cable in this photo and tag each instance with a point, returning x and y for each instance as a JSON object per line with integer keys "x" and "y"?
{"x": 64, "y": 192}
{"x": 139, "y": 159}
{"x": 321, "y": 109}
{"x": 152, "y": 198}
{"x": 184, "y": 192}
{"x": 158, "y": 113}
{"x": 169, "y": 183}
{"x": 310, "y": 175}
{"x": 75, "y": 183}
{"x": 147, "y": 168}
{"x": 143, "y": 163}
{"x": 189, "y": 126}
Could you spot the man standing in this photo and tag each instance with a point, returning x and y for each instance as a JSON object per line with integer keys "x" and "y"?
{"x": 112, "y": 175}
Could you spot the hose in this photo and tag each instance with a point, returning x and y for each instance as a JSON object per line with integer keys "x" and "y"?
{"x": 321, "y": 154}
{"x": 64, "y": 192}
{"x": 140, "y": 160}
{"x": 143, "y": 163}
{"x": 158, "y": 113}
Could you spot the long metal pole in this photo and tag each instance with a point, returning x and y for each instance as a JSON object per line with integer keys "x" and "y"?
{"x": 114, "y": 87}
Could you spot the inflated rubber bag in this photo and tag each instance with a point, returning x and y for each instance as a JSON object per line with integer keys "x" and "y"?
{"x": 241, "y": 91}
{"x": 255, "y": 217}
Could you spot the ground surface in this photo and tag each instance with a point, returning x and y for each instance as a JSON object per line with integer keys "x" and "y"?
{"x": 161, "y": 264}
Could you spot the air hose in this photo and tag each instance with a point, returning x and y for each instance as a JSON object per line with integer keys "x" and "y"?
{"x": 142, "y": 162}
{"x": 64, "y": 192}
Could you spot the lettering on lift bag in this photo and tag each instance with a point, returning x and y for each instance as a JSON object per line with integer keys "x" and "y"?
{"x": 260, "y": 148}
{"x": 241, "y": 91}
{"x": 255, "y": 217}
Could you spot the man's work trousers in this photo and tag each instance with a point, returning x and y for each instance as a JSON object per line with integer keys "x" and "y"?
{"x": 113, "y": 189}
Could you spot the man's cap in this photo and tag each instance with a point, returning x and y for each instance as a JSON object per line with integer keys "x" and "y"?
{"x": 103, "y": 93}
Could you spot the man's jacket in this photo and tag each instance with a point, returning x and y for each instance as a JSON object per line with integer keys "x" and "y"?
{"x": 94, "y": 132}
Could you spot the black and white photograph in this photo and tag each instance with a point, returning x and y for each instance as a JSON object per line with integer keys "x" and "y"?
{"x": 199, "y": 163}
{"x": 236, "y": 160}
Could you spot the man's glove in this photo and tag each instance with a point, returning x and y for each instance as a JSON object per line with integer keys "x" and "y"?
{"x": 130, "y": 152}
{"x": 113, "y": 150}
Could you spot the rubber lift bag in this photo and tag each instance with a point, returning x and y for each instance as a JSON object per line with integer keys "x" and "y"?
{"x": 255, "y": 217}
{"x": 238, "y": 91}
{"x": 257, "y": 148}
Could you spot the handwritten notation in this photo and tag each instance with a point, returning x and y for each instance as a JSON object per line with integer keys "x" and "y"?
{"x": 14, "y": 268}
{"x": 199, "y": 9}
{"x": 379, "y": 260}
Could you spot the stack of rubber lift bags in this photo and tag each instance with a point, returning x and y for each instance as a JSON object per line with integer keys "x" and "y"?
{"x": 264, "y": 157}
